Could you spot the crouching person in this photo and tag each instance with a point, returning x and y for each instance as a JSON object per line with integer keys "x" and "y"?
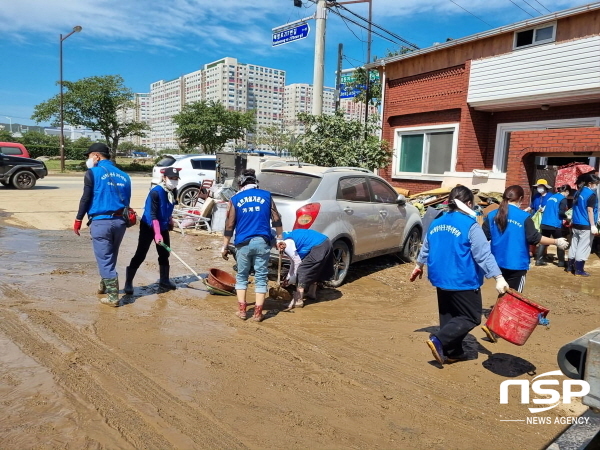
{"x": 154, "y": 226}
{"x": 250, "y": 213}
{"x": 311, "y": 261}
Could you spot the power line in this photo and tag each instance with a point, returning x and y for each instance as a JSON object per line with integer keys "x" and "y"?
{"x": 479, "y": 18}
{"x": 394, "y": 35}
{"x": 351, "y": 30}
{"x": 364, "y": 27}
{"x": 527, "y": 12}
{"x": 541, "y": 13}
{"x": 543, "y": 6}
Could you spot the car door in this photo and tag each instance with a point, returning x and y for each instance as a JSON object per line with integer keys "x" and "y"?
{"x": 198, "y": 169}
{"x": 392, "y": 217}
{"x": 2, "y": 165}
{"x": 357, "y": 210}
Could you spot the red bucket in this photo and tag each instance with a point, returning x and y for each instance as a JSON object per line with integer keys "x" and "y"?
{"x": 514, "y": 317}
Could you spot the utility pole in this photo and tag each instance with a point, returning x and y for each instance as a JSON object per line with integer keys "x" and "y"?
{"x": 368, "y": 73}
{"x": 338, "y": 78}
{"x": 319, "y": 69}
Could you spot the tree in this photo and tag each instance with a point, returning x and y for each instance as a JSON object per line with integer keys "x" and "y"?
{"x": 333, "y": 141}
{"x": 94, "y": 103}
{"x": 360, "y": 81}
{"x": 274, "y": 137}
{"x": 209, "y": 125}
{"x": 6, "y": 136}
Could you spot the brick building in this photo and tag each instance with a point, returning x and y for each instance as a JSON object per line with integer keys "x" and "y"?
{"x": 495, "y": 108}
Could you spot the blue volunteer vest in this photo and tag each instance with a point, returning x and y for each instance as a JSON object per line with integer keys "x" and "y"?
{"x": 450, "y": 264}
{"x": 252, "y": 215}
{"x": 550, "y": 216}
{"x": 165, "y": 208}
{"x": 112, "y": 190}
{"x": 580, "y": 213}
{"x": 305, "y": 240}
{"x": 539, "y": 201}
{"x": 510, "y": 248}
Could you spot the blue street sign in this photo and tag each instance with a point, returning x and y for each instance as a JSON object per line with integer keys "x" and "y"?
{"x": 291, "y": 34}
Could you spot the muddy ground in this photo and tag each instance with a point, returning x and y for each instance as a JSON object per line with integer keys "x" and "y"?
{"x": 179, "y": 370}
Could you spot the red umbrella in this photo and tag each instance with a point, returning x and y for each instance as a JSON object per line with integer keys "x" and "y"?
{"x": 568, "y": 174}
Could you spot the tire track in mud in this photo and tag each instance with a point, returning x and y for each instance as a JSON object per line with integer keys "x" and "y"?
{"x": 195, "y": 424}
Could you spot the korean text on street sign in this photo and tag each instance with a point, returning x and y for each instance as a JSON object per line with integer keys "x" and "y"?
{"x": 291, "y": 34}
{"x": 348, "y": 78}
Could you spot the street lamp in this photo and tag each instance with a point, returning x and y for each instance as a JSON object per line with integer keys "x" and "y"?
{"x": 76, "y": 29}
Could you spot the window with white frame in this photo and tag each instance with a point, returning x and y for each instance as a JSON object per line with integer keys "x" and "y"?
{"x": 430, "y": 151}
{"x": 541, "y": 34}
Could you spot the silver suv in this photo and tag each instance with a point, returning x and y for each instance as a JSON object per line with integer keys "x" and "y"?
{"x": 359, "y": 211}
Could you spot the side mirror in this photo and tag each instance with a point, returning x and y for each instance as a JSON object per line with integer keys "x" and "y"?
{"x": 401, "y": 200}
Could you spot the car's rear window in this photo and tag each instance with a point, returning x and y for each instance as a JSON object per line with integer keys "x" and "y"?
{"x": 289, "y": 185}
{"x": 204, "y": 164}
{"x": 166, "y": 162}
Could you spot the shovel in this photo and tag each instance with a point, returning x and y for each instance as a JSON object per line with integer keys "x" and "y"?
{"x": 167, "y": 248}
{"x": 279, "y": 291}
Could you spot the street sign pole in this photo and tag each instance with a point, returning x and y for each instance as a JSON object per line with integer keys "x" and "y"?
{"x": 319, "y": 69}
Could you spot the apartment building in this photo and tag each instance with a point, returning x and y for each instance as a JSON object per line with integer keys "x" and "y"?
{"x": 298, "y": 98}
{"x": 238, "y": 86}
{"x": 356, "y": 110}
{"x": 497, "y": 108}
{"x": 139, "y": 112}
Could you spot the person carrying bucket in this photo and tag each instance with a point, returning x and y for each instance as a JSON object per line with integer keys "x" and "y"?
{"x": 154, "y": 226}
{"x": 510, "y": 231}
{"x": 457, "y": 256}
{"x": 311, "y": 260}
{"x": 584, "y": 228}
{"x": 552, "y": 220}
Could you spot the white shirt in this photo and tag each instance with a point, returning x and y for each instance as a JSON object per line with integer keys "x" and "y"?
{"x": 295, "y": 260}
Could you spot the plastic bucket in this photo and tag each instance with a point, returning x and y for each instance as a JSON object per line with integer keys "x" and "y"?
{"x": 221, "y": 280}
{"x": 514, "y": 317}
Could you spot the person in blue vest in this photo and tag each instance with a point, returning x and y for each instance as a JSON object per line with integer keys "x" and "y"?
{"x": 458, "y": 256}
{"x": 552, "y": 223}
{"x": 511, "y": 231}
{"x": 250, "y": 214}
{"x": 106, "y": 192}
{"x": 154, "y": 227}
{"x": 311, "y": 261}
{"x": 541, "y": 196}
{"x": 584, "y": 223}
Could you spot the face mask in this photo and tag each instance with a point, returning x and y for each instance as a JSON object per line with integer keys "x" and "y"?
{"x": 90, "y": 163}
{"x": 541, "y": 190}
{"x": 171, "y": 184}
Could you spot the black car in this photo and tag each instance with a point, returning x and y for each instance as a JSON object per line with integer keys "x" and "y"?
{"x": 22, "y": 173}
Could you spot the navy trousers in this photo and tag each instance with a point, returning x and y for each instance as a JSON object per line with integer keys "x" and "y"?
{"x": 107, "y": 235}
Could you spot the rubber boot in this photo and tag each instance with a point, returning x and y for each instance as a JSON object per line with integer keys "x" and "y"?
{"x": 242, "y": 310}
{"x": 539, "y": 256}
{"x": 129, "y": 276}
{"x": 570, "y": 266}
{"x": 257, "y": 316}
{"x": 560, "y": 254}
{"x": 579, "y": 269}
{"x": 112, "y": 292}
{"x": 101, "y": 287}
{"x": 165, "y": 282}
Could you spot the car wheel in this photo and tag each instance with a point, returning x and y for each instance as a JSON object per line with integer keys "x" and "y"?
{"x": 189, "y": 196}
{"x": 341, "y": 263}
{"x": 412, "y": 245}
{"x": 23, "y": 180}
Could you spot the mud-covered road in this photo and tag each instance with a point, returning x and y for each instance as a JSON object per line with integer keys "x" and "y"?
{"x": 178, "y": 370}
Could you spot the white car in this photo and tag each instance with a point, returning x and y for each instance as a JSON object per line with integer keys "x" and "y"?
{"x": 193, "y": 170}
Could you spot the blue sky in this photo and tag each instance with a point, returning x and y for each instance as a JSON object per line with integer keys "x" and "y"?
{"x": 148, "y": 40}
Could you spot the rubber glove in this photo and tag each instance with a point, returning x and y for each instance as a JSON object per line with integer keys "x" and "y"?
{"x": 501, "y": 285}
{"x": 562, "y": 243}
{"x": 417, "y": 272}
{"x": 594, "y": 229}
{"x": 157, "y": 234}
{"x": 77, "y": 227}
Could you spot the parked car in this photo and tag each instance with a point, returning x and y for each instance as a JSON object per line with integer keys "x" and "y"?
{"x": 21, "y": 172}
{"x": 13, "y": 149}
{"x": 359, "y": 211}
{"x": 194, "y": 169}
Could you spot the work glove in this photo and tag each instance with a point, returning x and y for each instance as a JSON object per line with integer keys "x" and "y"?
{"x": 225, "y": 252}
{"x": 417, "y": 272}
{"x": 501, "y": 285}
{"x": 594, "y": 229}
{"x": 77, "y": 227}
{"x": 562, "y": 243}
{"x": 157, "y": 234}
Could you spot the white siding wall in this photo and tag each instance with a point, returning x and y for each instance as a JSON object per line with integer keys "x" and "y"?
{"x": 557, "y": 71}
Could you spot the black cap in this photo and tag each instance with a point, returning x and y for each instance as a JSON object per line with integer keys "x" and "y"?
{"x": 98, "y": 147}
{"x": 170, "y": 172}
